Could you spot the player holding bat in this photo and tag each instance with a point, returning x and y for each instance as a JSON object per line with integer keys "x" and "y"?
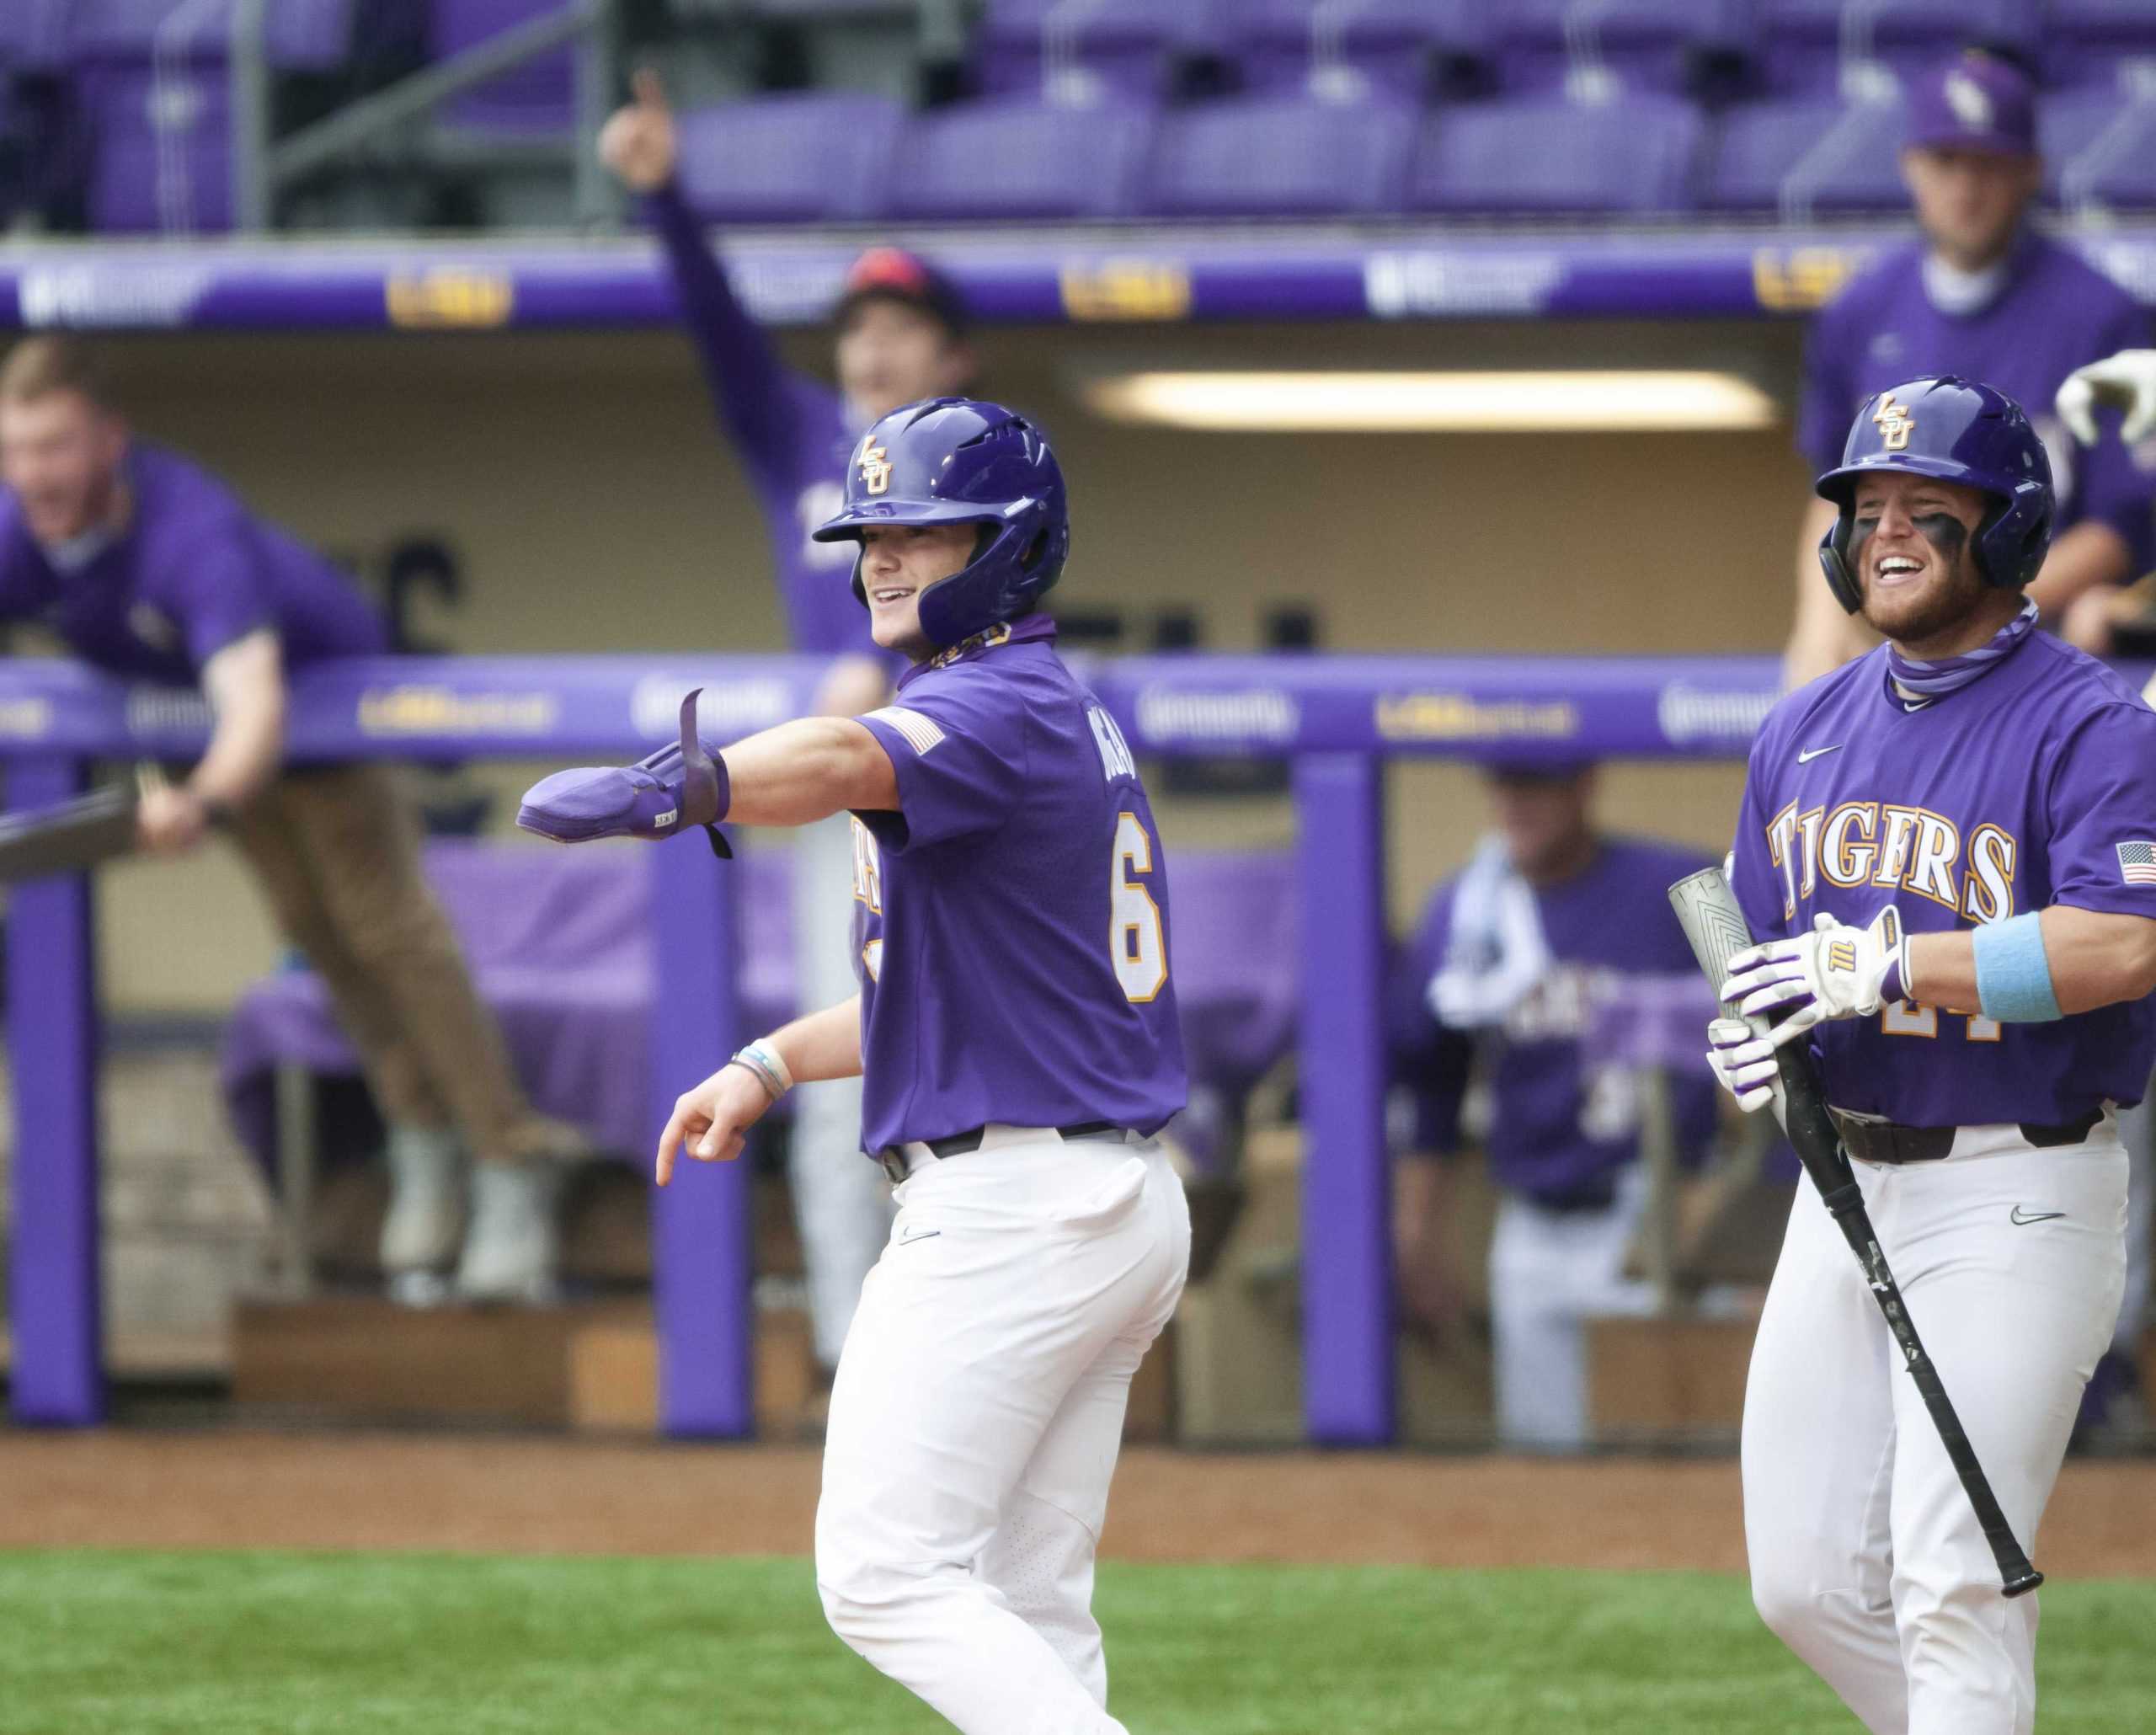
{"x": 1952, "y": 840}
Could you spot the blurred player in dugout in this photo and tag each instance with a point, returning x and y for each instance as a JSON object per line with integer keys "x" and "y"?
{"x": 147, "y": 567}
{"x": 1551, "y": 925}
{"x": 1983, "y": 295}
{"x": 900, "y": 338}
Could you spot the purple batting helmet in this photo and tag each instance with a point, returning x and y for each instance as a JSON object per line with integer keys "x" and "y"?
{"x": 1954, "y": 430}
{"x": 956, "y": 461}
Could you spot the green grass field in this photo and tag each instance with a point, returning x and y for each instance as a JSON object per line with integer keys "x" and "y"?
{"x": 292, "y": 1644}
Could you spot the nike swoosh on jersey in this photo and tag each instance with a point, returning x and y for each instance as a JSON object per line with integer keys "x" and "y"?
{"x": 930, "y": 1235}
{"x": 1807, "y": 754}
{"x": 2025, "y": 1218}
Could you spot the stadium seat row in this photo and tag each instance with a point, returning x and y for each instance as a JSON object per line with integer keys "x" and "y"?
{"x": 161, "y": 161}
{"x": 839, "y": 157}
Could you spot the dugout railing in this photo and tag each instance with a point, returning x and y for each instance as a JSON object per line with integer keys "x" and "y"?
{"x": 1336, "y": 718}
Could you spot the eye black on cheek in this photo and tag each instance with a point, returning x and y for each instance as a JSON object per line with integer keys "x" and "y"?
{"x": 1944, "y": 532}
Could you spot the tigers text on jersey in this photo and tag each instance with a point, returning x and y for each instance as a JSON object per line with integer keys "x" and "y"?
{"x": 2033, "y": 785}
{"x": 1010, "y": 918}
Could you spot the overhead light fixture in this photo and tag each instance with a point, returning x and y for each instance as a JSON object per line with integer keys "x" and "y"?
{"x": 1514, "y": 402}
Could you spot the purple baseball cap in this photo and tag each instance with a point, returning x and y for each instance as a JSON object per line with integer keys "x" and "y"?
{"x": 1975, "y": 102}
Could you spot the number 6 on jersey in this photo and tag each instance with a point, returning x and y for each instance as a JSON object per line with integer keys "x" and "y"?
{"x": 1135, "y": 942}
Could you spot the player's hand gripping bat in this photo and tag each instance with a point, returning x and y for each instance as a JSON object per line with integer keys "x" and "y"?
{"x": 1708, "y": 912}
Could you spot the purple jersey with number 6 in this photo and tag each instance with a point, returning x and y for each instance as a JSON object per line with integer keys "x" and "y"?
{"x": 2035, "y": 785}
{"x": 1010, "y": 918}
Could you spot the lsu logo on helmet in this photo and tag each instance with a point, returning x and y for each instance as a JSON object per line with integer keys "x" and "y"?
{"x": 1894, "y": 424}
{"x": 875, "y": 468}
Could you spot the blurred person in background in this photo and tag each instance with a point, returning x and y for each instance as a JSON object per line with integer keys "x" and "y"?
{"x": 1985, "y": 295}
{"x": 147, "y": 567}
{"x": 900, "y": 338}
{"x": 2116, "y": 1400}
{"x": 1551, "y": 925}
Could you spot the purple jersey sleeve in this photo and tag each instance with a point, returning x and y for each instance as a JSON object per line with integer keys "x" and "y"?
{"x": 1754, "y": 876}
{"x": 752, "y": 388}
{"x": 16, "y": 594}
{"x": 2112, "y": 488}
{"x": 1829, "y": 396}
{"x": 960, "y": 755}
{"x": 220, "y": 593}
{"x": 1426, "y": 1060}
{"x": 2101, "y": 802}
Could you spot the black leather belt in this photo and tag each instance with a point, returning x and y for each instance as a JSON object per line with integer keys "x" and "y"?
{"x": 1884, "y": 1141}
{"x": 893, "y": 1159}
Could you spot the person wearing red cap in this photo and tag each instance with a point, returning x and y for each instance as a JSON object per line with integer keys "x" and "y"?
{"x": 900, "y": 337}
{"x": 1983, "y": 296}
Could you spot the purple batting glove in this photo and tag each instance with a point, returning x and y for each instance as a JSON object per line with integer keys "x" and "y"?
{"x": 680, "y": 785}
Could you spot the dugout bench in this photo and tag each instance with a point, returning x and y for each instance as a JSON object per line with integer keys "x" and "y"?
{"x": 1336, "y": 718}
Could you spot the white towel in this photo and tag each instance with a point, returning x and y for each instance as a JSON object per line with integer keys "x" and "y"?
{"x": 1495, "y": 950}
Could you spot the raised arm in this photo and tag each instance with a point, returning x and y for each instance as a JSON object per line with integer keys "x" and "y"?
{"x": 750, "y": 388}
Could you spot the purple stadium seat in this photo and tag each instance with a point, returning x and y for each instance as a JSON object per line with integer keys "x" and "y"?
{"x": 1341, "y": 49}
{"x": 1017, "y": 160}
{"x": 1808, "y": 155}
{"x": 1808, "y": 44}
{"x": 2096, "y": 42}
{"x": 1263, "y": 157}
{"x": 813, "y": 157}
{"x": 2099, "y": 151}
{"x": 300, "y": 36}
{"x": 1635, "y": 155}
{"x": 162, "y": 159}
{"x": 33, "y": 35}
{"x": 1593, "y": 47}
{"x": 1079, "y": 51}
{"x": 535, "y": 100}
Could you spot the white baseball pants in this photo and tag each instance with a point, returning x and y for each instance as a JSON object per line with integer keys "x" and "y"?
{"x": 1865, "y": 1557}
{"x": 1550, "y": 1272}
{"x": 976, "y": 1420}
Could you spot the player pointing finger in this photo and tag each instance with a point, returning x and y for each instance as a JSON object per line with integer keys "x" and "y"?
{"x": 1017, "y": 1037}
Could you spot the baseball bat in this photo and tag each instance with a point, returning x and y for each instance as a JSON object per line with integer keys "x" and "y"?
{"x": 1707, "y": 910}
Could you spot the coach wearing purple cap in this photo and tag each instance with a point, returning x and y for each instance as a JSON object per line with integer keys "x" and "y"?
{"x": 1983, "y": 296}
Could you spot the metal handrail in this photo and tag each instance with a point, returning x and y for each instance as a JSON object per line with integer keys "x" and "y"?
{"x": 261, "y": 166}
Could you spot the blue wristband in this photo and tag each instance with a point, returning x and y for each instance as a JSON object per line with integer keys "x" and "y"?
{"x": 2014, "y": 978}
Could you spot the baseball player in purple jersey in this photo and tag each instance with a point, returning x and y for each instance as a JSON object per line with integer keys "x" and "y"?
{"x": 900, "y": 339}
{"x": 1015, "y": 1032}
{"x": 1948, "y": 850}
{"x": 1552, "y": 927}
{"x": 148, "y": 566}
{"x": 1984, "y": 296}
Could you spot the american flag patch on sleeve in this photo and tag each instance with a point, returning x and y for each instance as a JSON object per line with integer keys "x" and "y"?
{"x": 2137, "y": 863}
{"x": 923, "y": 735}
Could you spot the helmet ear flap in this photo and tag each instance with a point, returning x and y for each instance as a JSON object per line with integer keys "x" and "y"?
{"x": 859, "y": 588}
{"x": 2010, "y": 543}
{"x": 1834, "y": 562}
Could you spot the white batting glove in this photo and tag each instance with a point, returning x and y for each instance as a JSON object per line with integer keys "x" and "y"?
{"x": 2126, "y": 381}
{"x": 1832, "y": 972}
{"x": 1743, "y": 1063}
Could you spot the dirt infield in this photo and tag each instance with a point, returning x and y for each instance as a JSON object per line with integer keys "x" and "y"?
{"x": 219, "y": 1488}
